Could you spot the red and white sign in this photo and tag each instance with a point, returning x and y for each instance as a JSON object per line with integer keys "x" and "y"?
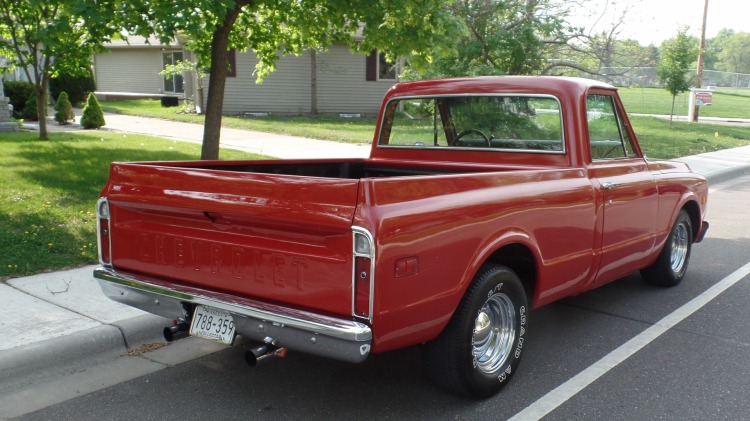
{"x": 703, "y": 97}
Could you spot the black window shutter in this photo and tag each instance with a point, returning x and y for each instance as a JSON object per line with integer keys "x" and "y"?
{"x": 371, "y": 67}
{"x": 232, "y": 60}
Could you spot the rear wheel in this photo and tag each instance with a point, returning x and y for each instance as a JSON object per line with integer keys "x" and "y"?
{"x": 481, "y": 346}
{"x": 671, "y": 265}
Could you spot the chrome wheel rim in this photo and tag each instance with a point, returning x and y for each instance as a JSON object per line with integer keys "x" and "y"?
{"x": 680, "y": 244}
{"x": 494, "y": 333}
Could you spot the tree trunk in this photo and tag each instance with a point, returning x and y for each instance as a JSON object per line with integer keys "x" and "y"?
{"x": 217, "y": 81}
{"x": 671, "y": 113}
{"x": 41, "y": 107}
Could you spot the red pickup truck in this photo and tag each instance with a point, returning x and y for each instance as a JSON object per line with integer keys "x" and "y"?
{"x": 482, "y": 198}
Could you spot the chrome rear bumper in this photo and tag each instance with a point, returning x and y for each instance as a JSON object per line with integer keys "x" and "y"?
{"x": 303, "y": 331}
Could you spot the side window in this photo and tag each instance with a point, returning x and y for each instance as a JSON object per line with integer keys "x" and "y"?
{"x": 608, "y": 139}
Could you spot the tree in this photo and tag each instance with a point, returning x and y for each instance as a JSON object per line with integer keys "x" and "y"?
{"x": 677, "y": 56}
{"x": 275, "y": 28}
{"x": 92, "y": 116}
{"x": 714, "y": 47}
{"x": 501, "y": 37}
{"x": 44, "y": 37}
{"x": 735, "y": 53}
{"x": 599, "y": 49}
{"x": 64, "y": 110}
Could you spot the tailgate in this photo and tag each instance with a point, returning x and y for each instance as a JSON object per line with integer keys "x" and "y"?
{"x": 281, "y": 238}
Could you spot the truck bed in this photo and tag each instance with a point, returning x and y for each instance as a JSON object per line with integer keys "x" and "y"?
{"x": 274, "y": 230}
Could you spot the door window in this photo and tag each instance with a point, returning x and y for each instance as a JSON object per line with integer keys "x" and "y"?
{"x": 608, "y": 138}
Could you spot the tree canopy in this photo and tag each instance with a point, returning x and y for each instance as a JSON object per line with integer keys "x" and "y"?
{"x": 46, "y": 37}
{"x": 501, "y": 37}
{"x": 272, "y": 29}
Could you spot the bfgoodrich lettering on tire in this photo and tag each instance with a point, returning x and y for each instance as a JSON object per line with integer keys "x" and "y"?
{"x": 481, "y": 346}
{"x": 671, "y": 265}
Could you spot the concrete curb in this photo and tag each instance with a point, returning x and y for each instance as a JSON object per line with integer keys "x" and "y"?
{"x": 727, "y": 174}
{"x": 78, "y": 350}
{"x": 145, "y": 329}
{"x": 70, "y": 351}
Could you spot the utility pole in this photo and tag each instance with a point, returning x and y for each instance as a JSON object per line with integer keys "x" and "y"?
{"x": 699, "y": 73}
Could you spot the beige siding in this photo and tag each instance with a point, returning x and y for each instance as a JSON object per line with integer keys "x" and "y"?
{"x": 285, "y": 91}
{"x": 342, "y": 87}
{"x": 129, "y": 70}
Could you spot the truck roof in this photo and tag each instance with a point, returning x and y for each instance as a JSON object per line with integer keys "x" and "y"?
{"x": 552, "y": 85}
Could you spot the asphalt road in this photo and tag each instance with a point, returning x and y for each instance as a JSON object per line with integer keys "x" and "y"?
{"x": 627, "y": 351}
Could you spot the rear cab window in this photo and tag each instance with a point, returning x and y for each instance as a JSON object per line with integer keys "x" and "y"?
{"x": 509, "y": 123}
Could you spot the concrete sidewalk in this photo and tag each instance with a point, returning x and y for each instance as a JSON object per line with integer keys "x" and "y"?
{"x": 273, "y": 145}
{"x": 57, "y": 325}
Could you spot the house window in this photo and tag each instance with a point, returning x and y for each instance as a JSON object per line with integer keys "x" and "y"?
{"x": 378, "y": 68}
{"x": 386, "y": 69}
{"x": 173, "y": 84}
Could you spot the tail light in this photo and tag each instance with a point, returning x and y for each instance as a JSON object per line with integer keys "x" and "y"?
{"x": 363, "y": 273}
{"x": 103, "y": 232}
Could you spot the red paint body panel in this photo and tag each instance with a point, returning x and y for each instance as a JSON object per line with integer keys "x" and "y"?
{"x": 281, "y": 231}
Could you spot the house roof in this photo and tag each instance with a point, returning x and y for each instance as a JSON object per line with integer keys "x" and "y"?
{"x": 135, "y": 41}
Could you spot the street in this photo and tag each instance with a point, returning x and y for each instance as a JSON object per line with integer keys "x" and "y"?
{"x": 686, "y": 362}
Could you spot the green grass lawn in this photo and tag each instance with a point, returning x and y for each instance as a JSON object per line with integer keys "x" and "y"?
{"x": 349, "y": 130}
{"x": 659, "y": 140}
{"x": 726, "y": 103}
{"x": 49, "y": 190}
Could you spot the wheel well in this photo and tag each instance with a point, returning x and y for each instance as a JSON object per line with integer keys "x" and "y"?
{"x": 695, "y": 216}
{"x": 521, "y": 260}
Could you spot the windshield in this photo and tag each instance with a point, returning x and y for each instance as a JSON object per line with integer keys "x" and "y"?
{"x": 500, "y": 122}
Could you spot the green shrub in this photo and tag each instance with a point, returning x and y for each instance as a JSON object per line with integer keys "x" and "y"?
{"x": 64, "y": 110}
{"x": 29, "y": 110}
{"x": 92, "y": 116}
{"x": 18, "y": 92}
{"x": 76, "y": 86}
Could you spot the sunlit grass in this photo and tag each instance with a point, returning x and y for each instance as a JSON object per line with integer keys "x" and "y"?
{"x": 49, "y": 190}
{"x": 659, "y": 140}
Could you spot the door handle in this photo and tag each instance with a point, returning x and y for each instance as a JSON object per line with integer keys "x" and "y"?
{"x": 610, "y": 186}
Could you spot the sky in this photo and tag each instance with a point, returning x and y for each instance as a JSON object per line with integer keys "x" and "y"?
{"x": 653, "y": 21}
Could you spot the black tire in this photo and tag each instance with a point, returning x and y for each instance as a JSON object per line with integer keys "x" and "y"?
{"x": 467, "y": 362}
{"x": 671, "y": 265}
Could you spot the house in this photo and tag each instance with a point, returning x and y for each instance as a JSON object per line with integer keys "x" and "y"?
{"x": 130, "y": 68}
{"x": 332, "y": 82}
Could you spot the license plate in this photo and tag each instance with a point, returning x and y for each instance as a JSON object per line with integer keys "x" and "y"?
{"x": 212, "y": 323}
